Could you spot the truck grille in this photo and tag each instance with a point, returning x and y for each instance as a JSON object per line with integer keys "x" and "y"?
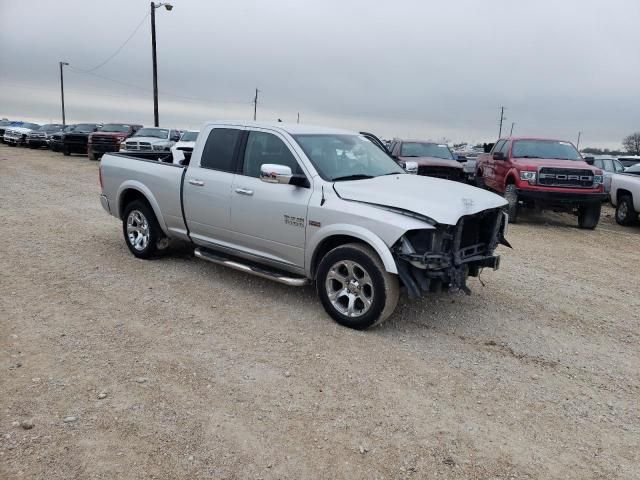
{"x": 103, "y": 140}
{"x": 456, "y": 174}
{"x": 565, "y": 177}
{"x": 78, "y": 138}
{"x": 138, "y": 146}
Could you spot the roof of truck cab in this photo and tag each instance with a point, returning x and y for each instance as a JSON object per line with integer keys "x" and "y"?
{"x": 534, "y": 138}
{"x": 290, "y": 128}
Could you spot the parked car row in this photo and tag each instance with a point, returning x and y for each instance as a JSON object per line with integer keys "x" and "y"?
{"x": 93, "y": 139}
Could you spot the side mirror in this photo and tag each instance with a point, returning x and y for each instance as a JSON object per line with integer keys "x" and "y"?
{"x": 589, "y": 160}
{"x": 499, "y": 156}
{"x": 411, "y": 167}
{"x": 272, "y": 173}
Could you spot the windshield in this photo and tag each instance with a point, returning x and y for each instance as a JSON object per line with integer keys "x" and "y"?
{"x": 346, "y": 157}
{"x": 31, "y": 126}
{"x": 85, "y": 127}
{"x": 634, "y": 169}
{"x": 424, "y": 149}
{"x": 69, "y": 128}
{"x": 189, "y": 137}
{"x": 116, "y": 127}
{"x": 52, "y": 127}
{"x": 544, "y": 149}
{"x": 152, "y": 132}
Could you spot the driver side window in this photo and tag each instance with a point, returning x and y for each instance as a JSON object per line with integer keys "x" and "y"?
{"x": 264, "y": 148}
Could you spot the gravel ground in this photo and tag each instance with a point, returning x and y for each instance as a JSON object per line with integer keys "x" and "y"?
{"x": 114, "y": 367}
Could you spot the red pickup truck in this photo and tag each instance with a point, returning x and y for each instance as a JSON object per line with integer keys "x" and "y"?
{"x": 543, "y": 174}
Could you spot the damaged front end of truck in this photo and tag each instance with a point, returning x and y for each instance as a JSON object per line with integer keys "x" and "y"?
{"x": 442, "y": 258}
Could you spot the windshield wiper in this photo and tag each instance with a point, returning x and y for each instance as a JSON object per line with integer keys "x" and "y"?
{"x": 358, "y": 176}
{"x": 391, "y": 173}
{"x": 529, "y": 156}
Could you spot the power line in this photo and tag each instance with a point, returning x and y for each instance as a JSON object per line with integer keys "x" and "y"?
{"x": 119, "y": 48}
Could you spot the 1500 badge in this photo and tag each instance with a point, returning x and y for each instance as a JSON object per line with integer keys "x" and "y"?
{"x": 294, "y": 221}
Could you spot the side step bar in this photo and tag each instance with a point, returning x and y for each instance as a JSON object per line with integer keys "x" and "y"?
{"x": 258, "y": 271}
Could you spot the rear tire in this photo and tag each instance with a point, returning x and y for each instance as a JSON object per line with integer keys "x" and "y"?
{"x": 66, "y": 152}
{"x": 589, "y": 215}
{"x": 354, "y": 287}
{"x": 91, "y": 155}
{"x": 480, "y": 181}
{"x": 625, "y": 213}
{"x": 511, "y": 196}
{"x": 141, "y": 230}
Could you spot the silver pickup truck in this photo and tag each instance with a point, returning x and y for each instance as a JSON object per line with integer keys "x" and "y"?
{"x": 299, "y": 204}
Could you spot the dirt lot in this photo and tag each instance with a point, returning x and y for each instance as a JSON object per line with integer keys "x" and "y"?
{"x": 176, "y": 368}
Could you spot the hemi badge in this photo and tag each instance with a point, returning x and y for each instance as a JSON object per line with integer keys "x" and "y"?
{"x": 313, "y": 223}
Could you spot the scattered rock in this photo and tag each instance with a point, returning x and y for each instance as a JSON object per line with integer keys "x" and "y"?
{"x": 190, "y": 458}
{"x": 363, "y": 450}
{"x": 70, "y": 419}
{"x": 26, "y": 424}
{"x": 142, "y": 380}
{"x": 449, "y": 461}
{"x": 287, "y": 374}
{"x": 102, "y": 395}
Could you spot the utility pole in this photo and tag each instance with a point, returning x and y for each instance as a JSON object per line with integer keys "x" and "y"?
{"x": 298, "y": 117}
{"x": 578, "y": 142}
{"x": 255, "y": 105}
{"x": 502, "y": 118}
{"x": 512, "y": 125}
{"x": 62, "y": 64}
{"x": 156, "y": 116}
{"x": 169, "y": 7}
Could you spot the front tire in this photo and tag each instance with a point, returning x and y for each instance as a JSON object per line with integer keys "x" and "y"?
{"x": 66, "y": 151}
{"x": 589, "y": 215}
{"x": 625, "y": 213}
{"x": 511, "y": 196}
{"x": 354, "y": 287}
{"x": 91, "y": 155}
{"x": 141, "y": 230}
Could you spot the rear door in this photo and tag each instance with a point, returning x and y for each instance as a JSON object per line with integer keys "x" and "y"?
{"x": 269, "y": 220}
{"x": 501, "y": 167}
{"x": 207, "y": 187}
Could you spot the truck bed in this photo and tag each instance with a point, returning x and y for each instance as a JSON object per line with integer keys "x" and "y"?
{"x": 126, "y": 174}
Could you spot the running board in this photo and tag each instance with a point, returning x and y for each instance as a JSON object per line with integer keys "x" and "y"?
{"x": 253, "y": 269}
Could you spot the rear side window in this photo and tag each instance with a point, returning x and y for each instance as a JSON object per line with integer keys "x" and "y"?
{"x": 265, "y": 148}
{"x": 219, "y": 151}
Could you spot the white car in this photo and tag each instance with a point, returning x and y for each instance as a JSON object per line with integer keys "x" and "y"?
{"x": 18, "y": 135}
{"x": 185, "y": 145}
{"x": 625, "y": 195}
{"x": 151, "y": 139}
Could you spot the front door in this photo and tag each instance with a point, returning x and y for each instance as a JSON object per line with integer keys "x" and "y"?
{"x": 269, "y": 220}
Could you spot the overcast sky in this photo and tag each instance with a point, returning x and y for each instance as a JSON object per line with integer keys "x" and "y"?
{"x": 403, "y": 68}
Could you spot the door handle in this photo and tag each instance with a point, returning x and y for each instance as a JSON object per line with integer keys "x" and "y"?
{"x": 244, "y": 191}
{"x": 197, "y": 183}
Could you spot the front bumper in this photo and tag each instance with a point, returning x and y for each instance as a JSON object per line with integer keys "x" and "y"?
{"x": 430, "y": 261}
{"x": 561, "y": 198}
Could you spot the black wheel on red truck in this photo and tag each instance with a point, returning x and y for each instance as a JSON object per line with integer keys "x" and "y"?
{"x": 66, "y": 151}
{"x": 625, "y": 213}
{"x": 511, "y": 196}
{"x": 589, "y": 215}
{"x": 91, "y": 155}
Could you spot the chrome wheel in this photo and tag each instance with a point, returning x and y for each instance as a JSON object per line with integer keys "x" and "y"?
{"x": 349, "y": 288}
{"x": 623, "y": 211}
{"x": 138, "y": 230}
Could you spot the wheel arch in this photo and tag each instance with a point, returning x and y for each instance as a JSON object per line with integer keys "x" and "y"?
{"x": 337, "y": 235}
{"x": 130, "y": 191}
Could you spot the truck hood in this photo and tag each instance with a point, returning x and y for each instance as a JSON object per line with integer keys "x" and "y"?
{"x": 19, "y": 129}
{"x": 432, "y": 161}
{"x": 444, "y": 201}
{"x": 553, "y": 162}
{"x": 149, "y": 139}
